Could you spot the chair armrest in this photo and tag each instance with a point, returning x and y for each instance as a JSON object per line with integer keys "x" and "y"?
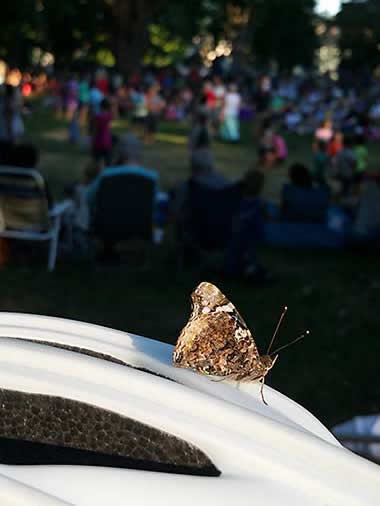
{"x": 60, "y": 208}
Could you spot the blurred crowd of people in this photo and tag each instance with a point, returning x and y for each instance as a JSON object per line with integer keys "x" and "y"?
{"x": 145, "y": 99}
{"x": 342, "y": 118}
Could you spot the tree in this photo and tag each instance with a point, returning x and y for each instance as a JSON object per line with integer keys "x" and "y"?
{"x": 19, "y": 21}
{"x": 359, "y": 40}
{"x": 278, "y": 30}
{"x": 283, "y": 31}
{"x": 130, "y": 22}
{"x": 89, "y": 28}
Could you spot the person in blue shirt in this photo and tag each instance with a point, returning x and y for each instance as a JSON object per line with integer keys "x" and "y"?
{"x": 128, "y": 152}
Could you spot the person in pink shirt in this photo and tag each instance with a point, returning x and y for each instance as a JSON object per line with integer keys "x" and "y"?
{"x": 102, "y": 136}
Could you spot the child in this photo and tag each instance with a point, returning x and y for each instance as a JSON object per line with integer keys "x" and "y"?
{"x": 102, "y": 137}
{"x": 272, "y": 149}
{"x": 280, "y": 148}
{"x": 325, "y": 131}
{"x": 81, "y": 213}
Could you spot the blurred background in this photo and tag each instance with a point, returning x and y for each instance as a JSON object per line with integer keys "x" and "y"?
{"x": 233, "y": 141}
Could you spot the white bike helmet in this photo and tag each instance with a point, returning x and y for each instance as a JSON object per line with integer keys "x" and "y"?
{"x": 92, "y": 416}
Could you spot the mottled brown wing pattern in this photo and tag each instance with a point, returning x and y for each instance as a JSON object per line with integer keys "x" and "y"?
{"x": 216, "y": 341}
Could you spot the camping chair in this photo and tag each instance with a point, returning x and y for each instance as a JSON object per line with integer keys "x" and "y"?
{"x": 307, "y": 220}
{"x": 24, "y": 212}
{"x": 123, "y": 208}
{"x": 209, "y": 217}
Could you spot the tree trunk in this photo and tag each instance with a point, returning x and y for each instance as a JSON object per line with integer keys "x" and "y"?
{"x": 131, "y": 19}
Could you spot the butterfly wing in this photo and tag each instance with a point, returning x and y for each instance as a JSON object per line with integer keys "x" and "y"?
{"x": 216, "y": 341}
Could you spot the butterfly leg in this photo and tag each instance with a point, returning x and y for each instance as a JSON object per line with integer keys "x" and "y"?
{"x": 230, "y": 376}
{"x": 262, "y": 381}
{"x": 219, "y": 380}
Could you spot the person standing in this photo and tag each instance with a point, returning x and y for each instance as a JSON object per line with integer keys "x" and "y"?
{"x": 155, "y": 105}
{"x": 230, "y": 127}
{"x": 12, "y": 113}
{"x": 139, "y": 109}
{"x": 95, "y": 99}
{"x": 220, "y": 94}
{"x": 84, "y": 100}
{"x": 72, "y": 97}
{"x": 102, "y": 137}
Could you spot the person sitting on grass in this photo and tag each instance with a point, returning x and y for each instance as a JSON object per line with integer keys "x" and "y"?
{"x": 247, "y": 231}
{"x": 202, "y": 172}
{"x": 272, "y": 149}
{"x": 325, "y": 131}
{"x": 301, "y": 202}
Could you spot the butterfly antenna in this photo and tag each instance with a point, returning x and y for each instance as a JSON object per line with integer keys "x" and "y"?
{"x": 277, "y": 328}
{"x": 292, "y": 342}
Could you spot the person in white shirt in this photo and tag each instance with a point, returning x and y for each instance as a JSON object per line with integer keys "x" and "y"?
{"x": 325, "y": 131}
{"x": 219, "y": 91}
{"x": 230, "y": 127}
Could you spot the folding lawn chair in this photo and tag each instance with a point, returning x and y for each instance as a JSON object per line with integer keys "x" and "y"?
{"x": 24, "y": 213}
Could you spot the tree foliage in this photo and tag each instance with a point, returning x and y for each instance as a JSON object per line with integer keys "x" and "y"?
{"x": 278, "y": 30}
{"x": 71, "y": 26}
{"x": 19, "y": 30}
{"x": 283, "y": 31}
{"x": 359, "y": 39}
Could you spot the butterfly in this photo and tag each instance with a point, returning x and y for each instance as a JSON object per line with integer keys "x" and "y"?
{"x": 217, "y": 342}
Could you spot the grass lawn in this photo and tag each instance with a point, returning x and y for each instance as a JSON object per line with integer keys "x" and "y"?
{"x": 335, "y": 294}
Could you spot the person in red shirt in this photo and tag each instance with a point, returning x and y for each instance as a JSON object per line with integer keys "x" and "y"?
{"x": 335, "y": 145}
{"x": 210, "y": 96}
{"x": 102, "y": 136}
{"x": 103, "y": 85}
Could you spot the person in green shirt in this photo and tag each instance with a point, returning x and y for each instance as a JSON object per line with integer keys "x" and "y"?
{"x": 84, "y": 100}
{"x": 361, "y": 152}
{"x": 320, "y": 162}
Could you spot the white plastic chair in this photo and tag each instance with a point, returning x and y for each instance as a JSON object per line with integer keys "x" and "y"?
{"x": 36, "y": 222}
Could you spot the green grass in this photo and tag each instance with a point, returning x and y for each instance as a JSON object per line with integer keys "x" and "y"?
{"x": 333, "y": 293}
